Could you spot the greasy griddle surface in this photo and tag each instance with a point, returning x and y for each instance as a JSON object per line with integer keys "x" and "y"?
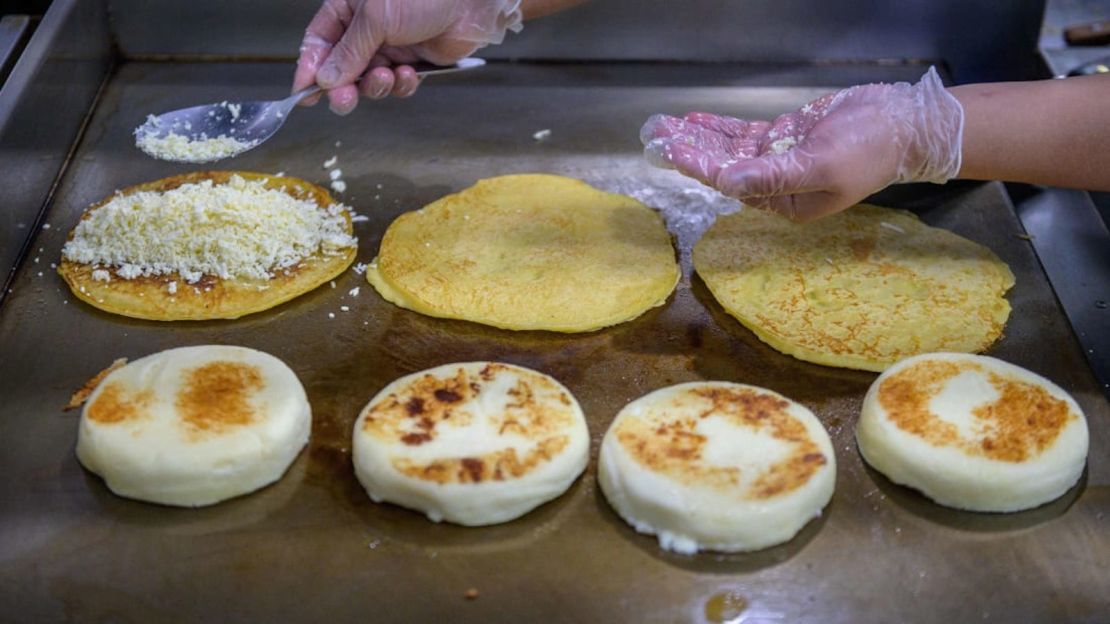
{"x": 314, "y": 546}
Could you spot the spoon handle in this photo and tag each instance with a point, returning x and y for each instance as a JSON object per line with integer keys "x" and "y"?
{"x": 421, "y": 68}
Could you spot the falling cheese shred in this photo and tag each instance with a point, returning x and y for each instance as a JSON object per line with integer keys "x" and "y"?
{"x": 237, "y": 230}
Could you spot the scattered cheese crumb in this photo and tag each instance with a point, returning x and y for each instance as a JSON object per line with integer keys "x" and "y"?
{"x": 238, "y": 229}
{"x": 344, "y": 308}
{"x": 331, "y": 315}
{"x": 360, "y": 268}
{"x": 46, "y": 226}
{"x": 338, "y": 143}
{"x": 36, "y": 259}
{"x": 335, "y": 174}
{"x": 279, "y": 174}
{"x": 234, "y": 109}
{"x": 891, "y": 226}
{"x": 332, "y": 283}
{"x": 782, "y": 145}
{"x": 378, "y": 186}
{"x": 100, "y": 275}
{"x": 359, "y": 218}
{"x": 353, "y": 292}
{"x": 339, "y": 186}
{"x": 172, "y": 288}
{"x": 329, "y": 163}
{"x": 542, "y": 135}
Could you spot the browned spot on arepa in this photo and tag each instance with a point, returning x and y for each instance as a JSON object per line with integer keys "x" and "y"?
{"x": 217, "y": 396}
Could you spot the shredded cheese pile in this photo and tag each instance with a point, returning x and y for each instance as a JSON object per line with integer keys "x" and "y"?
{"x": 236, "y": 230}
{"x": 180, "y": 148}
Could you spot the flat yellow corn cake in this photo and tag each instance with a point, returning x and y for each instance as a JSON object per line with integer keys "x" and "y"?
{"x": 136, "y": 261}
{"x": 533, "y": 251}
{"x": 860, "y": 289}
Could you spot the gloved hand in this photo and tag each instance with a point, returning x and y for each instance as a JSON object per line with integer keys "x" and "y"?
{"x": 823, "y": 158}
{"x": 348, "y": 36}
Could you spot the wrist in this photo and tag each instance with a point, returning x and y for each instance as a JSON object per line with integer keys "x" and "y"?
{"x": 935, "y": 146}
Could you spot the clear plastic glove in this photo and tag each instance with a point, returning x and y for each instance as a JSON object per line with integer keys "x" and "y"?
{"x": 348, "y": 36}
{"x": 821, "y": 159}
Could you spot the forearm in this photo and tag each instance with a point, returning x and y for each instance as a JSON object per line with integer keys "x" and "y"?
{"x": 538, "y": 8}
{"x": 1053, "y": 132}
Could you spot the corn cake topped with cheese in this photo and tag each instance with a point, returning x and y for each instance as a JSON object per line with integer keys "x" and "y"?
{"x": 860, "y": 289}
{"x": 528, "y": 252}
{"x": 207, "y": 245}
{"x": 473, "y": 443}
{"x": 973, "y": 432}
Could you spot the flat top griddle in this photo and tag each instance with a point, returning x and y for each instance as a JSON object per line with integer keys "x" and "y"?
{"x": 313, "y": 546}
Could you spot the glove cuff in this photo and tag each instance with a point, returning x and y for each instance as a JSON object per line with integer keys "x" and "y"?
{"x": 938, "y": 144}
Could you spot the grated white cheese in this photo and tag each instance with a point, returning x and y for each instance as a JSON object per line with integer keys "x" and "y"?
{"x": 353, "y": 292}
{"x": 329, "y": 163}
{"x": 172, "y": 288}
{"x": 891, "y": 226}
{"x": 179, "y": 148}
{"x": 359, "y": 218}
{"x": 344, "y": 308}
{"x": 339, "y": 186}
{"x": 236, "y": 230}
{"x": 542, "y": 135}
{"x": 46, "y": 226}
{"x": 782, "y": 145}
{"x": 335, "y": 174}
{"x": 360, "y": 268}
{"x": 100, "y": 275}
{"x": 331, "y": 315}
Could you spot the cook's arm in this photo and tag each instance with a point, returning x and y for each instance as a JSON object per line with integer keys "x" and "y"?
{"x": 1053, "y": 132}
{"x": 840, "y": 148}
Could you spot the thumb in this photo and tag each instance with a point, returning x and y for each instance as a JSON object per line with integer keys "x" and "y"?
{"x": 352, "y": 53}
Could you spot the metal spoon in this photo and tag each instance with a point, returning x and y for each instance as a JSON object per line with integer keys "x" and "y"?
{"x": 216, "y": 131}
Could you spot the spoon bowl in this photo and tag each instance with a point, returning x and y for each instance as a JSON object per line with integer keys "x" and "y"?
{"x": 212, "y": 132}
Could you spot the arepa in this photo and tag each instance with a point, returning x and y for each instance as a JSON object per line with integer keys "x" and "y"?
{"x": 861, "y": 289}
{"x": 474, "y": 443}
{"x": 717, "y": 466}
{"x": 528, "y": 252}
{"x": 207, "y": 245}
{"x": 973, "y": 432}
{"x": 195, "y": 425}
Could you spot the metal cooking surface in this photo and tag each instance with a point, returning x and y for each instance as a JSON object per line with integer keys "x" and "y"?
{"x": 314, "y": 544}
